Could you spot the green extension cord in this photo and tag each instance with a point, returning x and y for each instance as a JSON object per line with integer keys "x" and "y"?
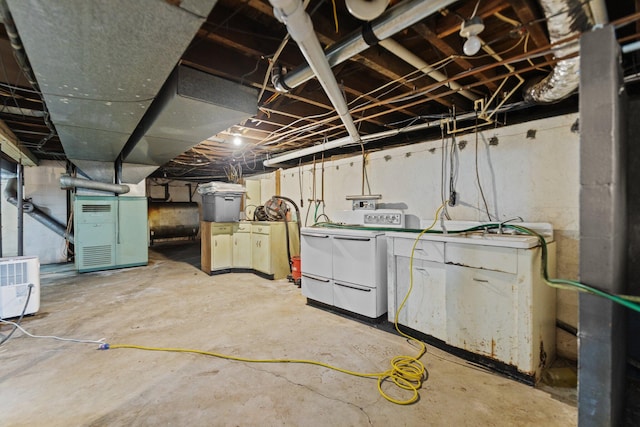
{"x": 630, "y": 302}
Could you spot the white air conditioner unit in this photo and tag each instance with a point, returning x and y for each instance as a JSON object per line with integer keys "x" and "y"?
{"x": 16, "y": 275}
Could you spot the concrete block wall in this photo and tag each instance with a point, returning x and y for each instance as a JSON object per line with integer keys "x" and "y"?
{"x": 529, "y": 170}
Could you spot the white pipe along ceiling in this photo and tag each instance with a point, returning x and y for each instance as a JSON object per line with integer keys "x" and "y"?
{"x": 298, "y": 22}
{"x": 411, "y": 58}
{"x": 389, "y": 23}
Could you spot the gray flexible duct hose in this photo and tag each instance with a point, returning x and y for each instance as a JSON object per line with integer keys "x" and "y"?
{"x": 67, "y": 181}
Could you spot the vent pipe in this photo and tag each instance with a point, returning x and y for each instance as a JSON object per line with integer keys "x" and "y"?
{"x": 298, "y": 22}
{"x": 389, "y": 23}
{"x": 10, "y": 193}
{"x": 67, "y": 181}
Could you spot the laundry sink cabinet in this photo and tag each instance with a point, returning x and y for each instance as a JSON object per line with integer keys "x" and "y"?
{"x": 490, "y": 301}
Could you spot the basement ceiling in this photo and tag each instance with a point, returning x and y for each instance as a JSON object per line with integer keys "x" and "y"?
{"x": 402, "y": 89}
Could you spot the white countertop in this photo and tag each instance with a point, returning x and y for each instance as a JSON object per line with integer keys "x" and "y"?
{"x": 477, "y": 238}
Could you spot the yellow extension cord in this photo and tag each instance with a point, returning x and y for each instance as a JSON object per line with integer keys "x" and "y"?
{"x": 407, "y": 372}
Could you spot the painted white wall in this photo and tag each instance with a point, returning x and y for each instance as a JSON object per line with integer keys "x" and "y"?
{"x": 41, "y": 185}
{"x": 534, "y": 178}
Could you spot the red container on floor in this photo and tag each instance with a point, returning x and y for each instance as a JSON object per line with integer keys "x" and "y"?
{"x": 296, "y": 272}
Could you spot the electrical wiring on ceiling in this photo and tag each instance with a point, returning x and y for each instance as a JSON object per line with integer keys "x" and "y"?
{"x": 330, "y": 115}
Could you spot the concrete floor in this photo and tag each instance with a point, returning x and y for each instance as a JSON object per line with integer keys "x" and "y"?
{"x": 172, "y": 303}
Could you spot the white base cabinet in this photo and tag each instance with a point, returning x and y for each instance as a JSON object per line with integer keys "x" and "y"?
{"x": 241, "y": 246}
{"x": 488, "y": 300}
{"x": 345, "y": 269}
{"x": 269, "y": 248}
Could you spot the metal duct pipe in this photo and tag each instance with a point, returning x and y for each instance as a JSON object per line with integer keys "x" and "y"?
{"x": 10, "y": 194}
{"x": 67, "y": 181}
{"x": 20, "y": 206}
{"x": 565, "y": 18}
{"x": 298, "y": 22}
{"x": 403, "y": 53}
{"x": 389, "y": 23}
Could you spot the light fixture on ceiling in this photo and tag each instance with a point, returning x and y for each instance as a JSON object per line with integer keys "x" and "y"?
{"x": 237, "y": 141}
{"x": 366, "y": 10}
{"x": 470, "y": 30}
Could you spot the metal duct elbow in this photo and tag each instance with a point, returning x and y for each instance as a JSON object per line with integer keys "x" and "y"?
{"x": 67, "y": 181}
{"x": 11, "y": 195}
{"x": 565, "y": 18}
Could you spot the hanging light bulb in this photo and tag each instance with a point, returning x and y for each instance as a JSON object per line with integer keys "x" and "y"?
{"x": 470, "y": 30}
{"x": 237, "y": 141}
{"x": 472, "y": 45}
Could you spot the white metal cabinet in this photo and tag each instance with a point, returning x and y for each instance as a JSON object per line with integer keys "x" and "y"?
{"x": 317, "y": 288}
{"x": 349, "y": 263}
{"x": 504, "y": 312}
{"x": 316, "y": 253}
{"x": 353, "y": 258}
{"x": 316, "y": 259}
{"x": 241, "y": 241}
{"x": 358, "y": 299}
{"x": 489, "y": 300}
{"x": 425, "y": 309}
{"x": 481, "y": 312}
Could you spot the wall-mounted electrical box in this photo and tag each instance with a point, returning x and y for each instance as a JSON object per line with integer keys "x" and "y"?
{"x": 364, "y": 202}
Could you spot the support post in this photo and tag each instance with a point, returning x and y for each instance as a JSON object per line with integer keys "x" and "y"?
{"x": 603, "y": 230}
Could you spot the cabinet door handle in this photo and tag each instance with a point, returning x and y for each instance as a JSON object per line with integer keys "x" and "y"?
{"x": 480, "y": 280}
{"x": 420, "y": 268}
{"x": 352, "y": 287}
{"x": 319, "y": 279}
{"x": 319, "y": 236}
{"x": 357, "y": 239}
{"x": 215, "y": 243}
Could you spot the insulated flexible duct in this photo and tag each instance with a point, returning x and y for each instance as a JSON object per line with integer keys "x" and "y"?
{"x": 565, "y": 18}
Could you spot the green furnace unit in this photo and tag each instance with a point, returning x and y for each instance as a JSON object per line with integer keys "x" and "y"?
{"x": 110, "y": 232}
